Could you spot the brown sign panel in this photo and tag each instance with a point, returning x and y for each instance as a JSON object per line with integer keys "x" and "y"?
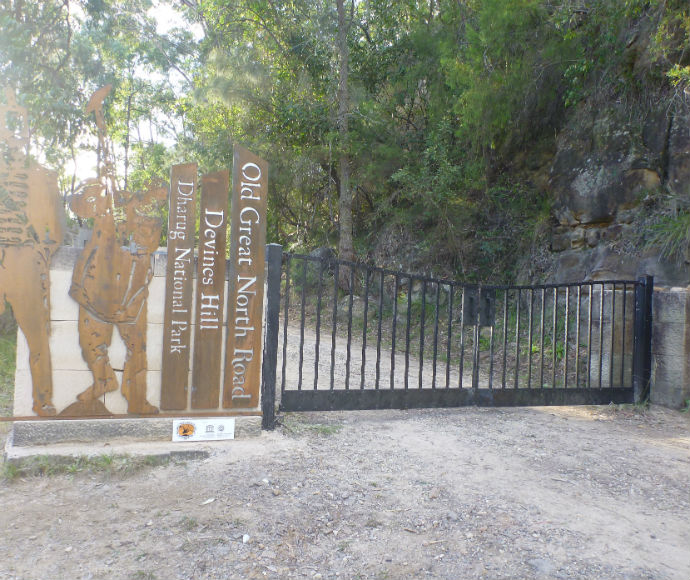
{"x": 246, "y": 284}
{"x": 177, "y": 323}
{"x": 210, "y": 290}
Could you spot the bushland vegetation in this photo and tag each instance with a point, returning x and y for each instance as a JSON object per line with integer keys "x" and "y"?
{"x": 425, "y": 126}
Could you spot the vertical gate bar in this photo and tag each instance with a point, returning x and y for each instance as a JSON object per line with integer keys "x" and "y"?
{"x": 577, "y": 337}
{"x": 450, "y": 333}
{"x": 625, "y": 299}
{"x": 601, "y": 333}
{"x": 285, "y": 320}
{"x": 407, "y": 332}
{"x": 567, "y": 328}
{"x": 638, "y": 338}
{"x": 642, "y": 359}
{"x": 462, "y": 336}
{"x": 438, "y": 301}
{"x": 317, "y": 346}
{"x": 364, "y": 326}
{"x": 422, "y": 323}
{"x": 517, "y": 338}
{"x": 491, "y": 347}
{"x": 554, "y": 335}
{"x": 542, "y": 322}
{"x": 336, "y": 275}
{"x": 348, "y": 356}
{"x": 301, "y": 323}
{"x": 274, "y": 259}
{"x": 649, "y": 295}
{"x": 491, "y": 357}
{"x": 505, "y": 336}
{"x": 396, "y": 290}
{"x": 531, "y": 325}
{"x": 475, "y": 342}
{"x": 638, "y": 332}
{"x": 589, "y": 337}
{"x": 378, "y": 339}
{"x": 613, "y": 332}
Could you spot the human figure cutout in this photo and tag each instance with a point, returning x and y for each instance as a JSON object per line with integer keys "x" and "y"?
{"x": 111, "y": 277}
{"x": 31, "y": 229}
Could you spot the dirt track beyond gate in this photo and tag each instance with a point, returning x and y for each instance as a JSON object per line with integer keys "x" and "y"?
{"x": 589, "y": 492}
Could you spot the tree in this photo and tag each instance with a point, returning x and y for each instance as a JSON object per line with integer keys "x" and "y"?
{"x": 55, "y": 53}
{"x": 345, "y": 246}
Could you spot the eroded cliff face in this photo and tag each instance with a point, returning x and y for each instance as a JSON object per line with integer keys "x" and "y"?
{"x": 616, "y": 172}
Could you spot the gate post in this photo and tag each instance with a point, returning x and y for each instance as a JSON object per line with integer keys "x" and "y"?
{"x": 642, "y": 346}
{"x": 274, "y": 261}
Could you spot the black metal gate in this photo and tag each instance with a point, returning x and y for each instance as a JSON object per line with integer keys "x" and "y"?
{"x": 399, "y": 340}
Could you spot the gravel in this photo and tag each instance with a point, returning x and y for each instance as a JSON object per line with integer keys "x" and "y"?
{"x": 563, "y": 493}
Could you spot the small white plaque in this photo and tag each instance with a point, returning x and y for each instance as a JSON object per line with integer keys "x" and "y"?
{"x": 212, "y": 429}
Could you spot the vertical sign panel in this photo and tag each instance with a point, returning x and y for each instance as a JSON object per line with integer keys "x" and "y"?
{"x": 210, "y": 291}
{"x": 178, "y": 287}
{"x": 246, "y": 285}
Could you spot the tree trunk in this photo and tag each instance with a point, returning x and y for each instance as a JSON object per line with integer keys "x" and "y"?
{"x": 345, "y": 245}
{"x": 128, "y": 120}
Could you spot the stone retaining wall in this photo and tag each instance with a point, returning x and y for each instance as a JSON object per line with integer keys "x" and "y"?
{"x": 671, "y": 347}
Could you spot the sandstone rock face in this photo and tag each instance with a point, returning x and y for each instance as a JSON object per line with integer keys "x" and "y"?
{"x": 600, "y": 168}
{"x": 602, "y": 263}
{"x": 607, "y": 164}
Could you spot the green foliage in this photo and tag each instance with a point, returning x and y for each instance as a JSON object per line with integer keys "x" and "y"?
{"x": 671, "y": 235}
{"x": 450, "y": 103}
{"x": 679, "y": 76}
{"x": 508, "y": 56}
{"x": 54, "y": 54}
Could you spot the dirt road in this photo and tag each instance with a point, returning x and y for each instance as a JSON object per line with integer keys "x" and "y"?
{"x": 595, "y": 493}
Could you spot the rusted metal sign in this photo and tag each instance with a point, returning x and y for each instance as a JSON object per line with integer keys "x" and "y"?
{"x": 111, "y": 277}
{"x": 210, "y": 291}
{"x": 31, "y": 229}
{"x": 246, "y": 281}
{"x": 177, "y": 325}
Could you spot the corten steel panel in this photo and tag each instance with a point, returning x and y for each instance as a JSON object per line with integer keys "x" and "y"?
{"x": 210, "y": 291}
{"x": 246, "y": 281}
{"x": 31, "y": 229}
{"x": 178, "y": 290}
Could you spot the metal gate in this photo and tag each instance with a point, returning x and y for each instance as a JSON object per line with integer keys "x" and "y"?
{"x": 342, "y": 335}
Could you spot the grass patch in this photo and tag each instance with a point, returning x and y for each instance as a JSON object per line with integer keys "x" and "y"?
{"x": 297, "y": 425}
{"x": 108, "y": 464}
{"x": 629, "y": 409}
{"x": 189, "y": 524}
{"x": 143, "y": 575}
{"x": 8, "y": 349}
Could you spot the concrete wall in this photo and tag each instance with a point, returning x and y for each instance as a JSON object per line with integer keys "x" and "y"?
{"x": 671, "y": 347}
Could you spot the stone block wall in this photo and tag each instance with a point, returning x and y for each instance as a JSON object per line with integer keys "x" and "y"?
{"x": 671, "y": 347}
